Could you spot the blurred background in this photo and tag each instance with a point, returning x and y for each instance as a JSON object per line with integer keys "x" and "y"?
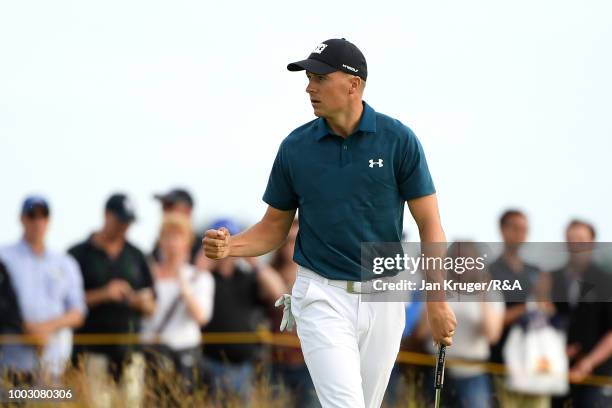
{"x": 510, "y": 101}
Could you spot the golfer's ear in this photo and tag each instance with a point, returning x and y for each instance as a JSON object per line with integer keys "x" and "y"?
{"x": 355, "y": 84}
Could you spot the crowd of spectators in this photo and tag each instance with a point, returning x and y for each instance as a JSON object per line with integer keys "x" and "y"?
{"x": 162, "y": 301}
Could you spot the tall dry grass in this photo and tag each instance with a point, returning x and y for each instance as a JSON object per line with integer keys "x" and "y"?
{"x": 160, "y": 388}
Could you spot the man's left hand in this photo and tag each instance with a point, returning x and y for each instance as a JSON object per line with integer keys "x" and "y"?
{"x": 442, "y": 322}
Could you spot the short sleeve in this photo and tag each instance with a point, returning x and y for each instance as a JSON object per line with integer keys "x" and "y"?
{"x": 76, "y": 252}
{"x": 280, "y": 193}
{"x": 75, "y": 298}
{"x": 414, "y": 179}
{"x": 146, "y": 280}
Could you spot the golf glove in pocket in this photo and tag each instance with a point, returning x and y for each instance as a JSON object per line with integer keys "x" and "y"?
{"x": 288, "y": 322}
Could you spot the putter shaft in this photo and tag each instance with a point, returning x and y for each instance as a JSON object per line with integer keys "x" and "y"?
{"x": 439, "y": 373}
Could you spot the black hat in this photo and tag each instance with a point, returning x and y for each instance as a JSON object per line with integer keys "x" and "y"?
{"x": 336, "y": 54}
{"x": 174, "y": 196}
{"x": 120, "y": 206}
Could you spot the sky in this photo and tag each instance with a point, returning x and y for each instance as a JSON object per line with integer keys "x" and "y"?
{"x": 511, "y": 101}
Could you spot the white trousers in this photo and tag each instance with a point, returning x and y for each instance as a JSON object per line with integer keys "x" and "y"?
{"x": 349, "y": 345}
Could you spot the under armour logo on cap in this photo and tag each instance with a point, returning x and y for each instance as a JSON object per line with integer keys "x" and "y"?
{"x": 127, "y": 204}
{"x": 319, "y": 48}
{"x": 379, "y": 163}
{"x": 350, "y": 68}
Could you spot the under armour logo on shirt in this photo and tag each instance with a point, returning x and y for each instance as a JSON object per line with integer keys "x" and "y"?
{"x": 379, "y": 163}
{"x": 319, "y": 48}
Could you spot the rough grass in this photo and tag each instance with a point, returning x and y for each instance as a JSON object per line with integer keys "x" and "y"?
{"x": 160, "y": 388}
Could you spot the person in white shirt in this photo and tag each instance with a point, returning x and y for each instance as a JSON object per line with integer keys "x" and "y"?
{"x": 184, "y": 300}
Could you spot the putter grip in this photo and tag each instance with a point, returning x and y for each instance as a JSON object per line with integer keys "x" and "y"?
{"x": 439, "y": 375}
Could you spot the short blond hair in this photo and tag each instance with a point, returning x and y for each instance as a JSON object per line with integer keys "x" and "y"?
{"x": 176, "y": 221}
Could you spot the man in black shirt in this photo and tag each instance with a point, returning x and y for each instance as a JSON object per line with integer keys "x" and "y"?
{"x": 243, "y": 290}
{"x": 586, "y": 315}
{"x": 118, "y": 285}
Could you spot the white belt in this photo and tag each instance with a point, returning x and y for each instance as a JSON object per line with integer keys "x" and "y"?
{"x": 354, "y": 287}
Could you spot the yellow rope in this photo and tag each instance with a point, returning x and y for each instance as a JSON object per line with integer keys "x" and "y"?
{"x": 275, "y": 339}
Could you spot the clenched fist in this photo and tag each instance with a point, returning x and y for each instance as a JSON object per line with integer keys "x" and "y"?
{"x": 216, "y": 243}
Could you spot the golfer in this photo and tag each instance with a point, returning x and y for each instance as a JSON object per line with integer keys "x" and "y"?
{"x": 349, "y": 172}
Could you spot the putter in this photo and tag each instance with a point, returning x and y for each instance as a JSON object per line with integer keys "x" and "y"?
{"x": 439, "y": 375}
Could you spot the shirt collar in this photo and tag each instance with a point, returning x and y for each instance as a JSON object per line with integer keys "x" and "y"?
{"x": 92, "y": 245}
{"x": 367, "y": 123}
{"x": 24, "y": 246}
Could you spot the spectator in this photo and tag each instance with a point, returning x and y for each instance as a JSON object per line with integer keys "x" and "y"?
{"x": 178, "y": 201}
{"x": 288, "y": 366}
{"x": 479, "y": 324}
{"x": 587, "y": 320}
{"x": 119, "y": 292}
{"x": 509, "y": 266}
{"x": 184, "y": 299}
{"x": 49, "y": 292}
{"x": 243, "y": 290}
{"x": 10, "y": 315}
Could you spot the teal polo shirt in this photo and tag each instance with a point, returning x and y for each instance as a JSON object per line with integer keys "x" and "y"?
{"x": 347, "y": 191}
